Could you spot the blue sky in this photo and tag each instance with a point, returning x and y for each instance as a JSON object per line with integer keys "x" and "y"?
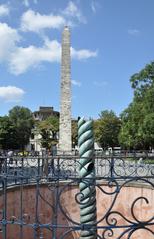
{"x": 111, "y": 40}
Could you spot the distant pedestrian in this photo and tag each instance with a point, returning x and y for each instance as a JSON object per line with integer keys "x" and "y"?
{"x": 10, "y": 159}
{"x": 140, "y": 161}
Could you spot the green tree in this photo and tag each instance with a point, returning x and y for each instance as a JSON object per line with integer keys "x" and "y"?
{"x": 6, "y": 133}
{"x": 22, "y": 123}
{"x": 142, "y": 81}
{"x": 129, "y": 136}
{"x": 137, "y": 129}
{"x": 106, "y": 129}
{"x": 48, "y": 129}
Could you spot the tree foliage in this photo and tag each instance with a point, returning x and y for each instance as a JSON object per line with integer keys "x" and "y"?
{"x": 142, "y": 81}
{"x": 22, "y": 122}
{"x": 6, "y": 133}
{"x": 15, "y": 129}
{"x": 106, "y": 129}
{"x": 138, "y": 119}
{"x": 48, "y": 130}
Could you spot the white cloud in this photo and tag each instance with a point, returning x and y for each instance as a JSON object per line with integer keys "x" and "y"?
{"x": 20, "y": 59}
{"x": 11, "y": 93}
{"x": 34, "y": 21}
{"x": 4, "y": 10}
{"x": 9, "y": 37}
{"x": 82, "y": 54}
{"x": 23, "y": 59}
{"x": 73, "y": 11}
{"x": 95, "y": 6}
{"x": 76, "y": 83}
{"x": 134, "y": 32}
{"x": 27, "y": 3}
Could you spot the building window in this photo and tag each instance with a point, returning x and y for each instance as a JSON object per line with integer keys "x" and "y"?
{"x": 32, "y": 147}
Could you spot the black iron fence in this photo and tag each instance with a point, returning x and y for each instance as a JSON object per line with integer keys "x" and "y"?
{"x": 40, "y": 197}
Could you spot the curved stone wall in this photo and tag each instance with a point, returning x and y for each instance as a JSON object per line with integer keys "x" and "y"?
{"x": 33, "y": 204}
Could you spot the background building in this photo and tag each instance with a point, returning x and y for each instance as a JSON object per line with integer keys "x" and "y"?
{"x": 44, "y": 112}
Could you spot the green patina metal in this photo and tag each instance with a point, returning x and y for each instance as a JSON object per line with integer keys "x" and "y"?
{"x": 87, "y": 183}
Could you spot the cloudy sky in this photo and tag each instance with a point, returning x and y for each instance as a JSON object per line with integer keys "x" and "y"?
{"x": 110, "y": 41}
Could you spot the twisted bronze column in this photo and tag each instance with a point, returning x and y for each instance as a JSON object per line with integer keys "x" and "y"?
{"x": 87, "y": 182}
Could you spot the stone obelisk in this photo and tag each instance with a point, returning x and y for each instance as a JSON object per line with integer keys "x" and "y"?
{"x": 65, "y": 139}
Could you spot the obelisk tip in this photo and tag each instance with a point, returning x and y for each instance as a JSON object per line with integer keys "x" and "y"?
{"x": 66, "y": 28}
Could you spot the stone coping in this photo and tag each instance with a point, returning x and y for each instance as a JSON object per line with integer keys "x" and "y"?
{"x": 73, "y": 184}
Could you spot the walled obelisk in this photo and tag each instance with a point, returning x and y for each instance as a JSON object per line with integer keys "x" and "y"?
{"x": 65, "y": 139}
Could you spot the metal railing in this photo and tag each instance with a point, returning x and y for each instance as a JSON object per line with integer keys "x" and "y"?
{"x": 48, "y": 179}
